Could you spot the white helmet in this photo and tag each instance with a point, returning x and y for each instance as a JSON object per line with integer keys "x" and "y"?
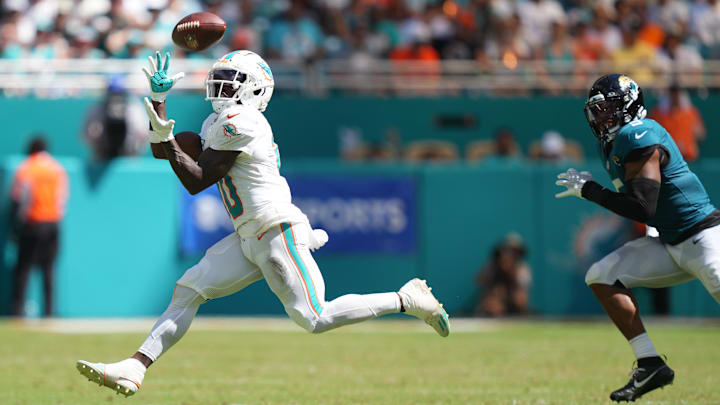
{"x": 240, "y": 76}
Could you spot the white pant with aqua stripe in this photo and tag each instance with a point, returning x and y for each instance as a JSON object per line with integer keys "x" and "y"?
{"x": 281, "y": 256}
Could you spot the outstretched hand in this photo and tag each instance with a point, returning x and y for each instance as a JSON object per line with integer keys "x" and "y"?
{"x": 157, "y": 75}
{"x": 574, "y": 181}
{"x": 162, "y": 129}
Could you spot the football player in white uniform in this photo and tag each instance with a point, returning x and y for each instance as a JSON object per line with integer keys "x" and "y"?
{"x": 272, "y": 239}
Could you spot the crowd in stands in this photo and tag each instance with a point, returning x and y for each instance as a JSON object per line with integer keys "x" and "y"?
{"x": 502, "y": 146}
{"x": 506, "y": 31}
{"x": 641, "y": 38}
{"x": 673, "y": 110}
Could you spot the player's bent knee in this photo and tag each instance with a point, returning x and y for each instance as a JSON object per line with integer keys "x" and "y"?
{"x": 320, "y": 327}
{"x": 309, "y": 323}
{"x": 185, "y": 296}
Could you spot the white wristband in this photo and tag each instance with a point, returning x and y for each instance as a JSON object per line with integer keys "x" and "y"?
{"x": 158, "y": 97}
{"x": 154, "y": 137}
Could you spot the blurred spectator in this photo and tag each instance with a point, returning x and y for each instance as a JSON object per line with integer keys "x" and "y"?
{"x": 353, "y": 147}
{"x": 505, "y": 280}
{"x": 634, "y": 57}
{"x": 117, "y": 126}
{"x": 510, "y": 46}
{"x": 682, "y": 120}
{"x": 38, "y": 196}
{"x": 502, "y": 36}
{"x": 296, "y": 36}
{"x": 560, "y": 47}
{"x": 677, "y": 59}
{"x": 560, "y": 51}
{"x": 672, "y": 15}
{"x": 603, "y": 37}
{"x": 537, "y": 17}
{"x": 503, "y": 146}
{"x": 553, "y": 147}
{"x": 705, "y": 25}
{"x": 650, "y": 32}
{"x": 431, "y": 150}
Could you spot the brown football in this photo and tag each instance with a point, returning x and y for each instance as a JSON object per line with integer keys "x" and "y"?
{"x": 198, "y": 31}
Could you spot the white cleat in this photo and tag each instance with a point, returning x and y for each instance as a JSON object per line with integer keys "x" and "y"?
{"x": 123, "y": 377}
{"x": 420, "y": 302}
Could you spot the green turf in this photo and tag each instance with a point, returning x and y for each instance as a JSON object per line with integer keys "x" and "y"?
{"x": 513, "y": 363}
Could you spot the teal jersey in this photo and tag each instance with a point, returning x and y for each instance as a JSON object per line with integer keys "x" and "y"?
{"x": 683, "y": 201}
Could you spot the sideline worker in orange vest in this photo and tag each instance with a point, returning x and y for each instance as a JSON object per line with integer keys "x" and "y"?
{"x": 39, "y": 193}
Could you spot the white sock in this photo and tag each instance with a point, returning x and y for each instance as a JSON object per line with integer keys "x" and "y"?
{"x": 642, "y": 346}
{"x": 354, "y": 308}
{"x": 173, "y": 323}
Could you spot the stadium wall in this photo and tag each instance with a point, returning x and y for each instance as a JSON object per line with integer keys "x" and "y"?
{"x": 310, "y": 127}
{"x": 120, "y": 254}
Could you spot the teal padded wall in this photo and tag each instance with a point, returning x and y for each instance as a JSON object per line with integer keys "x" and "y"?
{"x": 119, "y": 254}
{"x": 309, "y": 127}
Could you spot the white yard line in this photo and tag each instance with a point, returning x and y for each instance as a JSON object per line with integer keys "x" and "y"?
{"x": 280, "y": 324}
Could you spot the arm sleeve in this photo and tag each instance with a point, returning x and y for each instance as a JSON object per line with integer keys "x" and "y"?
{"x": 638, "y": 204}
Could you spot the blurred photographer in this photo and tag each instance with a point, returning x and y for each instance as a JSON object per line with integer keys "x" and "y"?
{"x": 505, "y": 281}
{"x": 117, "y": 125}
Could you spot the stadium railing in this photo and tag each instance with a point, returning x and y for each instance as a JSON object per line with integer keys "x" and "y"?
{"x": 65, "y": 77}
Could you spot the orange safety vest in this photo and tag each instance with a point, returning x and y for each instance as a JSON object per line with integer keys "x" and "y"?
{"x": 41, "y": 188}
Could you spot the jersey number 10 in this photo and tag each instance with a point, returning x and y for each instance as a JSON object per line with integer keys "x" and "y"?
{"x": 232, "y": 201}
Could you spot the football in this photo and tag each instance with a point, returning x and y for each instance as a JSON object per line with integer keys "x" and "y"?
{"x": 198, "y": 31}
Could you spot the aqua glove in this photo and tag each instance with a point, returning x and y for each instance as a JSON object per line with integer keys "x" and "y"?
{"x": 160, "y": 83}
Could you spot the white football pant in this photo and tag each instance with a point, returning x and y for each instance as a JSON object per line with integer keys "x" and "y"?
{"x": 281, "y": 256}
{"x": 646, "y": 262}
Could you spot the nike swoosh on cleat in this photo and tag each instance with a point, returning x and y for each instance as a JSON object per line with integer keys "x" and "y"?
{"x": 232, "y": 115}
{"x": 638, "y": 136}
{"x": 639, "y": 384}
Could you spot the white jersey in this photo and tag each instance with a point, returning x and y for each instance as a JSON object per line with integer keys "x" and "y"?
{"x": 255, "y": 195}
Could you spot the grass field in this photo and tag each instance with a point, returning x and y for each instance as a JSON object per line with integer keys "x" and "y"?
{"x": 246, "y": 361}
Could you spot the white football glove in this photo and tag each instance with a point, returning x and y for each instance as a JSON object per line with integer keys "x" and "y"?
{"x": 574, "y": 181}
{"x": 318, "y": 239}
{"x": 160, "y": 83}
{"x": 162, "y": 130}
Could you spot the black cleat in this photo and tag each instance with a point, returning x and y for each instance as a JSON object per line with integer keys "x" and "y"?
{"x": 644, "y": 380}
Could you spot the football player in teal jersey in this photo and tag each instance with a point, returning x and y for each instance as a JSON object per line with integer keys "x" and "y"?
{"x": 653, "y": 185}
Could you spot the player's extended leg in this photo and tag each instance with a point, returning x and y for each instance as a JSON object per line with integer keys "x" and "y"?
{"x": 222, "y": 271}
{"x": 642, "y": 262}
{"x": 292, "y": 274}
